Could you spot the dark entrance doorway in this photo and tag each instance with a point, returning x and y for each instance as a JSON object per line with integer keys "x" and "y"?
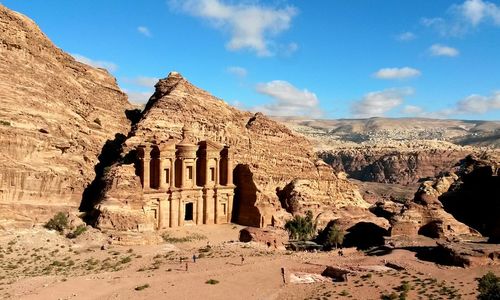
{"x": 188, "y": 216}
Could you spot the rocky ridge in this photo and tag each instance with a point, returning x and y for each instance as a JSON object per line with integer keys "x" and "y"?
{"x": 464, "y": 202}
{"x": 55, "y": 116}
{"x": 267, "y": 157}
{"x": 401, "y": 151}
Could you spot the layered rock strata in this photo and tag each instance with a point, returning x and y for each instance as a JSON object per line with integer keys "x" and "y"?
{"x": 266, "y": 156}
{"x": 401, "y": 166}
{"x": 465, "y": 203}
{"x": 55, "y": 116}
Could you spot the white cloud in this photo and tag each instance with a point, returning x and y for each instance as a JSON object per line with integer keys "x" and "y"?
{"x": 477, "y": 11}
{"x": 442, "y": 50}
{"x": 412, "y": 110}
{"x": 144, "y": 31}
{"x": 142, "y": 81}
{"x": 95, "y": 63}
{"x": 464, "y": 17}
{"x": 288, "y": 100}
{"x": 251, "y": 26}
{"x": 290, "y": 49}
{"x": 397, "y": 73}
{"x": 138, "y": 97}
{"x": 477, "y": 104}
{"x": 380, "y": 102}
{"x": 406, "y": 36}
{"x": 237, "y": 71}
{"x": 471, "y": 105}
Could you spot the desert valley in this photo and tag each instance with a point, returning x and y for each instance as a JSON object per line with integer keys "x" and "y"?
{"x": 189, "y": 197}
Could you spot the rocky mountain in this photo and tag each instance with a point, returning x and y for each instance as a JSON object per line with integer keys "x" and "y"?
{"x": 267, "y": 157}
{"x": 396, "y": 165}
{"x": 374, "y": 131}
{"x": 401, "y": 151}
{"x": 56, "y": 114}
{"x": 463, "y": 202}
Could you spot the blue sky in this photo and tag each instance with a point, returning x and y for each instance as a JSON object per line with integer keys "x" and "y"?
{"x": 325, "y": 59}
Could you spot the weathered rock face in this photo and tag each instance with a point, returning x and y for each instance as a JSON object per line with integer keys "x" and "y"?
{"x": 267, "y": 155}
{"x": 462, "y": 203}
{"x": 393, "y": 165}
{"x": 55, "y": 116}
{"x": 474, "y": 198}
{"x": 430, "y": 220}
{"x": 425, "y": 214}
{"x": 273, "y": 238}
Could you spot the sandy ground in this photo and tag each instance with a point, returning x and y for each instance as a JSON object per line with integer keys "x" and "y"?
{"x": 31, "y": 268}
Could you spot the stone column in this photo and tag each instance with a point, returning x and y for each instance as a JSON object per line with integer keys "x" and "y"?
{"x": 199, "y": 211}
{"x": 216, "y": 172}
{"x": 172, "y": 173}
{"x": 160, "y": 213}
{"x": 194, "y": 172}
{"x": 181, "y": 212}
{"x": 216, "y": 208}
{"x": 146, "y": 172}
{"x": 229, "y": 171}
{"x": 229, "y": 207}
{"x": 166, "y": 213}
{"x": 183, "y": 173}
{"x": 162, "y": 175}
{"x": 174, "y": 213}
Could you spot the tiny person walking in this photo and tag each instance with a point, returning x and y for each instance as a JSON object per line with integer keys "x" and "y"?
{"x": 194, "y": 258}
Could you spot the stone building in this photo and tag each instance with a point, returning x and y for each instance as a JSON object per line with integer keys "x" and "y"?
{"x": 186, "y": 183}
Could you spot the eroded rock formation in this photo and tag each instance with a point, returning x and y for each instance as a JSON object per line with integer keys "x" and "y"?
{"x": 454, "y": 204}
{"x": 55, "y": 116}
{"x": 474, "y": 198}
{"x": 401, "y": 166}
{"x": 267, "y": 157}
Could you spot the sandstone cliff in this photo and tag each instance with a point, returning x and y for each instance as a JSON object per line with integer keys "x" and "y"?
{"x": 55, "y": 116}
{"x": 267, "y": 157}
{"x": 395, "y": 165}
{"x": 474, "y": 198}
{"x": 453, "y": 204}
{"x": 401, "y": 151}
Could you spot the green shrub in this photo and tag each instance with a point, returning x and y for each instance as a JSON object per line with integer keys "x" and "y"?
{"x": 301, "y": 228}
{"x": 189, "y": 238}
{"x": 404, "y": 287}
{"x": 78, "y": 230}
{"x": 59, "y": 222}
{"x": 392, "y": 296}
{"x": 125, "y": 260}
{"x": 212, "y": 281}
{"x": 334, "y": 237}
{"x": 489, "y": 287}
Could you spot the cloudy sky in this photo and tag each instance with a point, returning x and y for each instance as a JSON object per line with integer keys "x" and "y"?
{"x": 322, "y": 59}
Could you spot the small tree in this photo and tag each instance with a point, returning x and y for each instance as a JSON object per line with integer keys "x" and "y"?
{"x": 301, "y": 228}
{"x": 489, "y": 287}
{"x": 58, "y": 222}
{"x": 335, "y": 237}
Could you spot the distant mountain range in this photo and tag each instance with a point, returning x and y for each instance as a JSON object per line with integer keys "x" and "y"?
{"x": 376, "y": 130}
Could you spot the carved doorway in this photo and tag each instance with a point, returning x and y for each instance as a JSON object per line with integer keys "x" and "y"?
{"x": 188, "y": 212}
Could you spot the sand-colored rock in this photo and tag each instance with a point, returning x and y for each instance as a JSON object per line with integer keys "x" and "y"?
{"x": 55, "y": 116}
{"x": 455, "y": 204}
{"x": 393, "y": 165}
{"x": 267, "y": 156}
{"x": 273, "y": 238}
{"x": 474, "y": 198}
